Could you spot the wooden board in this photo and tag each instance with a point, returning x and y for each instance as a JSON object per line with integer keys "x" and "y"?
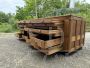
{"x": 26, "y": 29}
{"x": 43, "y": 24}
{"x": 19, "y": 35}
{"x": 21, "y": 25}
{"x": 45, "y": 44}
{"x": 52, "y": 50}
{"x": 47, "y": 32}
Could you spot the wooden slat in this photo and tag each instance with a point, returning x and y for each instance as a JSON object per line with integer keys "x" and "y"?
{"x": 43, "y": 24}
{"x": 48, "y": 32}
{"x": 52, "y": 50}
{"x": 78, "y": 37}
{"x": 26, "y": 29}
{"x": 66, "y": 35}
{"x": 45, "y": 44}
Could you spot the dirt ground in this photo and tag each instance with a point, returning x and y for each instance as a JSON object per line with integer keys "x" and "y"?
{"x": 17, "y": 54}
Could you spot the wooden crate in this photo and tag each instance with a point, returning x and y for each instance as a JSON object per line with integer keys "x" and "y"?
{"x": 45, "y": 43}
{"x": 73, "y": 29}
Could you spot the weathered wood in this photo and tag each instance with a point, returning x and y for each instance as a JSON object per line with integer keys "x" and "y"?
{"x": 43, "y": 24}
{"x": 19, "y": 35}
{"x": 74, "y": 34}
{"x": 52, "y": 50}
{"x": 70, "y": 29}
{"x": 78, "y": 37}
{"x": 47, "y": 32}
{"x": 45, "y": 43}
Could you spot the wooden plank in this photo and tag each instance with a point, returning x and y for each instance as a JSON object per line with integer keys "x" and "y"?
{"x": 27, "y": 40}
{"x": 78, "y": 33}
{"x": 47, "y": 32}
{"x": 51, "y": 43}
{"x": 45, "y": 44}
{"x": 43, "y": 24}
{"x": 66, "y": 29}
{"x": 76, "y": 17}
{"x": 52, "y": 50}
{"x": 72, "y": 47}
{"x": 70, "y": 36}
{"x": 21, "y": 25}
{"x": 19, "y": 35}
{"x": 26, "y": 29}
{"x": 73, "y": 38}
{"x": 46, "y": 28}
{"x": 22, "y": 31}
{"x": 38, "y": 20}
{"x": 24, "y": 37}
{"x": 78, "y": 37}
{"x": 73, "y": 27}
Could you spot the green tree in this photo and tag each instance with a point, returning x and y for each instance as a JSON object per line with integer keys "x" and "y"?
{"x": 3, "y": 17}
{"x": 45, "y": 8}
{"x": 40, "y": 8}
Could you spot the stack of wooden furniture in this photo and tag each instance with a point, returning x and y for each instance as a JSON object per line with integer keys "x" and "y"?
{"x": 55, "y": 34}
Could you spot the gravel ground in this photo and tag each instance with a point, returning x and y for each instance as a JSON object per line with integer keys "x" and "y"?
{"x": 17, "y": 54}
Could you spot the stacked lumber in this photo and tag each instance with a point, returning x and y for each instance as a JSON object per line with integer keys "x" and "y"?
{"x": 55, "y": 34}
{"x": 46, "y": 37}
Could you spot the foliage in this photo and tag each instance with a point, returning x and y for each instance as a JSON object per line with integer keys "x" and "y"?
{"x": 45, "y": 8}
{"x": 4, "y": 17}
{"x": 84, "y": 11}
{"x": 5, "y": 27}
{"x": 7, "y": 22}
{"x": 39, "y": 8}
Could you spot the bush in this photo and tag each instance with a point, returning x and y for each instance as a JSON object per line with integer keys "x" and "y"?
{"x": 5, "y": 27}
